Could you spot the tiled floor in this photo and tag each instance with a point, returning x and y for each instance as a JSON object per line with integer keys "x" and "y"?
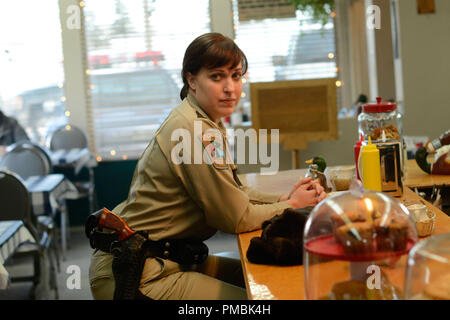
{"x": 78, "y": 259}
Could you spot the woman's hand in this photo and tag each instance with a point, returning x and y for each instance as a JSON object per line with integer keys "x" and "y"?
{"x": 285, "y": 197}
{"x": 304, "y": 196}
{"x": 321, "y": 194}
{"x": 310, "y": 194}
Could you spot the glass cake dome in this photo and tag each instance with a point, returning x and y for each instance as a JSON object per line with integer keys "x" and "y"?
{"x": 428, "y": 270}
{"x": 356, "y": 244}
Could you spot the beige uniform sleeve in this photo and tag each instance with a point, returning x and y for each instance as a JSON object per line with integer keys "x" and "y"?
{"x": 257, "y": 196}
{"x": 226, "y": 206}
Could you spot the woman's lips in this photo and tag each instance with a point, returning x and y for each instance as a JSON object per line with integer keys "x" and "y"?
{"x": 228, "y": 101}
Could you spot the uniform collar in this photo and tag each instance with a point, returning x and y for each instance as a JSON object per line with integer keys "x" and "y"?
{"x": 193, "y": 102}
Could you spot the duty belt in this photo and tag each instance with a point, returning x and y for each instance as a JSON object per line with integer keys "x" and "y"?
{"x": 182, "y": 251}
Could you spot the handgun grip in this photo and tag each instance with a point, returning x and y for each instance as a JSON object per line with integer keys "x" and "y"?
{"x": 112, "y": 221}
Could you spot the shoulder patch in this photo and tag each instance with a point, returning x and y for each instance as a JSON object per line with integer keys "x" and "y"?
{"x": 214, "y": 147}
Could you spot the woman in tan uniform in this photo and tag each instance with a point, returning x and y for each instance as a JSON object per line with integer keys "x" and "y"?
{"x": 191, "y": 199}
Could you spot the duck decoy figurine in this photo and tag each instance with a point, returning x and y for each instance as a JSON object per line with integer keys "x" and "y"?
{"x": 320, "y": 161}
{"x": 317, "y": 166}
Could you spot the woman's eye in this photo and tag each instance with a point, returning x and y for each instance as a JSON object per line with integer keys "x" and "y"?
{"x": 237, "y": 76}
{"x": 215, "y": 77}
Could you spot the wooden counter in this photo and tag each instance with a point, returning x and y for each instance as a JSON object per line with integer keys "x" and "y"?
{"x": 287, "y": 283}
{"x": 416, "y": 178}
{"x": 283, "y": 180}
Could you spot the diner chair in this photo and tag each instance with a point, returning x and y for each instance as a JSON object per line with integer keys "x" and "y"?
{"x": 70, "y": 137}
{"x": 29, "y": 159}
{"x": 16, "y": 205}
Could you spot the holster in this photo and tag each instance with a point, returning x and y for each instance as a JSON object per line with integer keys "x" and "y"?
{"x": 127, "y": 265}
{"x": 130, "y": 254}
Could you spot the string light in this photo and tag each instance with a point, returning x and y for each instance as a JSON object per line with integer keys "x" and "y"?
{"x": 63, "y": 99}
{"x": 81, "y": 3}
{"x": 113, "y": 152}
{"x": 244, "y": 80}
{"x": 331, "y": 55}
{"x": 68, "y": 127}
{"x": 88, "y": 71}
{"x": 124, "y": 157}
{"x": 67, "y": 113}
{"x": 99, "y": 158}
{"x": 243, "y": 95}
{"x": 339, "y": 83}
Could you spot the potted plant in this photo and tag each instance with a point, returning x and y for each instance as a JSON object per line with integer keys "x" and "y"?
{"x": 320, "y": 10}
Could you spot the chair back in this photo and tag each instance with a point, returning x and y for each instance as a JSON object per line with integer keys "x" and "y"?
{"x": 27, "y": 159}
{"x": 68, "y": 137}
{"x": 15, "y": 200}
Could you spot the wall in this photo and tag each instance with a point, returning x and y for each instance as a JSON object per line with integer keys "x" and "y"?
{"x": 384, "y": 52}
{"x": 335, "y": 152}
{"x": 424, "y": 51}
{"x": 424, "y": 81}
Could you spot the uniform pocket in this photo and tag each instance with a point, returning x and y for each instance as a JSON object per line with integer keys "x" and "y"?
{"x": 101, "y": 266}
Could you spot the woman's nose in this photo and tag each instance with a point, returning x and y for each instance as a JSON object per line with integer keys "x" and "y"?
{"x": 228, "y": 85}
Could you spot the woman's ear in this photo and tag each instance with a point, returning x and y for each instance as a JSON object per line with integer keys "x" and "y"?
{"x": 191, "y": 81}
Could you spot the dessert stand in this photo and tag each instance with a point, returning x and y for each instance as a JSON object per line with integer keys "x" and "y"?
{"x": 373, "y": 271}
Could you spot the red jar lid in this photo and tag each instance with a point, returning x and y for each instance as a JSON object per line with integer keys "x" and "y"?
{"x": 379, "y": 106}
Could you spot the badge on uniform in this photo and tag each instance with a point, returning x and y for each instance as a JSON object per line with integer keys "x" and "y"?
{"x": 214, "y": 149}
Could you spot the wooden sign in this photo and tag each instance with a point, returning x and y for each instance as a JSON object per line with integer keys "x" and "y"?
{"x": 303, "y": 110}
{"x": 425, "y": 6}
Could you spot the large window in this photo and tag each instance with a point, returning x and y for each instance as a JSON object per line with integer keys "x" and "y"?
{"x": 31, "y": 70}
{"x": 135, "y": 51}
{"x": 291, "y": 48}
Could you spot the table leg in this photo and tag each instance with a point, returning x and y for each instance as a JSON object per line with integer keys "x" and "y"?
{"x": 64, "y": 230}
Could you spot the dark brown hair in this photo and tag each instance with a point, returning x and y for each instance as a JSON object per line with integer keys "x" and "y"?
{"x": 210, "y": 50}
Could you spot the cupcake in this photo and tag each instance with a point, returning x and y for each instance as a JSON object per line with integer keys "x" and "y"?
{"x": 355, "y": 238}
{"x": 391, "y": 234}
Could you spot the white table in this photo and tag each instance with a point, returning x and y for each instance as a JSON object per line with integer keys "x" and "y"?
{"x": 49, "y": 193}
{"x": 76, "y": 158}
{"x": 12, "y": 234}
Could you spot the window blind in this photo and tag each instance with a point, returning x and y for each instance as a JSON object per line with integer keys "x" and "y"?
{"x": 31, "y": 70}
{"x": 135, "y": 51}
{"x": 292, "y": 48}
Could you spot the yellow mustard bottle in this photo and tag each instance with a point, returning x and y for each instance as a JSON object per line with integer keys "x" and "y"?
{"x": 371, "y": 171}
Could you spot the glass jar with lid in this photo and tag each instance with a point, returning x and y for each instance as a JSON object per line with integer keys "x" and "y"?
{"x": 378, "y": 117}
{"x": 382, "y": 122}
{"x": 428, "y": 269}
